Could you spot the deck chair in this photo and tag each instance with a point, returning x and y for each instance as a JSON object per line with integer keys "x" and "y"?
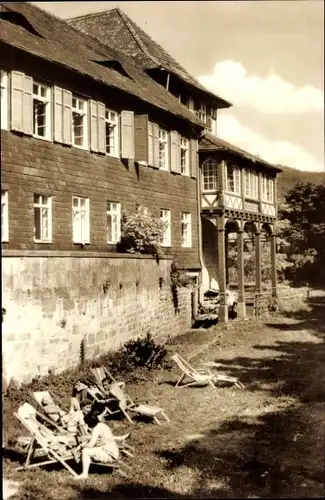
{"x": 200, "y": 376}
{"x": 125, "y": 402}
{"x": 44, "y": 443}
{"x": 53, "y": 448}
{"x": 38, "y": 397}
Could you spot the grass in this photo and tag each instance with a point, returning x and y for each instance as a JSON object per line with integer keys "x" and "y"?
{"x": 264, "y": 441}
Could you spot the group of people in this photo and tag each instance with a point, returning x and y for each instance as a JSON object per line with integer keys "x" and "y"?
{"x": 86, "y": 419}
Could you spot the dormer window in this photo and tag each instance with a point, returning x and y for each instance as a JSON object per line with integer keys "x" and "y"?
{"x": 201, "y": 111}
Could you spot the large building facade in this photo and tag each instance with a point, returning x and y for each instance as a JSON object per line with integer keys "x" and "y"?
{"x": 237, "y": 190}
{"x": 86, "y": 136}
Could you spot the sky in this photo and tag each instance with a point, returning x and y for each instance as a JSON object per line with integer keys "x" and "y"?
{"x": 265, "y": 57}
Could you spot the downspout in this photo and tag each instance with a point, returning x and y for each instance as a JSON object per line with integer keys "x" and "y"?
{"x": 199, "y": 223}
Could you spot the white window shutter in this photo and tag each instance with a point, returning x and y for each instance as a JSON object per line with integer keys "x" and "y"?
{"x": 141, "y": 138}
{"x": 28, "y": 106}
{"x": 155, "y": 145}
{"x": 175, "y": 152}
{"x": 67, "y": 117}
{"x": 127, "y": 134}
{"x": 193, "y": 157}
{"x": 93, "y": 126}
{"x": 101, "y": 127}
{"x": 17, "y": 100}
{"x": 150, "y": 144}
{"x": 58, "y": 114}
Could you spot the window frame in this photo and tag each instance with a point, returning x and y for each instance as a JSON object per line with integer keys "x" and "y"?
{"x": 48, "y": 110}
{"x": 87, "y": 211}
{"x": 267, "y": 189}
{"x": 251, "y": 184}
{"x": 4, "y": 102}
{"x": 185, "y": 148}
{"x": 209, "y": 162}
{"x": 187, "y": 225}
{"x": 165, "y": 216}
{"x": 200, "y": 110}
{"x": 84, "y": 114}
{"x": 47, "y": 206}
{"x": 233, "y": 185}
{"x": 117, "y": 214}
{"x": 116, "y": 127}
{"x": 4, "y": 216}
{"x": 164, "y": 141}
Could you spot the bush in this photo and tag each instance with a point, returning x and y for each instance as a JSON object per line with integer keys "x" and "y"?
{"x": 139, "y": 353}
{"x": 142, "y": 233}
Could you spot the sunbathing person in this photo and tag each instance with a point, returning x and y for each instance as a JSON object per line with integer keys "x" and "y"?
{"x": 101, "y": 447}
{"x": 51, "y": 409}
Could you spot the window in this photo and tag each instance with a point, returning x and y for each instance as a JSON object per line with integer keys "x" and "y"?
{"x": 163, "y": 149}
{"x": 113, "y": 212}
{"x": 267, "y": 189}
{"x": 111, "y": 133}
{"x": 165, "y": 217}
{"x": 4, "y": 99}
{"x": 41, "y": 111}
{"x": 185, "y": 163}
{"x": 201, "y": 111}
{"x": 4, "y": 216}
{"x": 233, "y": 179}
{"x": 79, "y": 122}
{"x": 80, "y": 220}
{"x": 186, "y": 230}
{"x": 42, "y": 218}
{"x": 210, "y": 175}
{"x": 251, "y": 184}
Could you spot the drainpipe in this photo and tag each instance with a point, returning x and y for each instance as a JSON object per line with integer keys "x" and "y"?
{"x": 198, "y": 193}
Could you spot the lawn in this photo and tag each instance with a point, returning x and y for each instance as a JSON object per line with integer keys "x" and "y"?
{"x": 264, "y": 441}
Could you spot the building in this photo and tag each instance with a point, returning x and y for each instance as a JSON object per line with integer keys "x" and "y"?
{"x": 237, "y": 189}
{"x": 85, "y": 136}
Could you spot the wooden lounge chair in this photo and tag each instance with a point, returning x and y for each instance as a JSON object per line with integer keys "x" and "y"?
{"x": 44, "y": 443}
{"x": 125, "y": 402}
{"x": 57, "y": 448}
{"x": 201, "y": 376}
{"x": 38, "y": 397}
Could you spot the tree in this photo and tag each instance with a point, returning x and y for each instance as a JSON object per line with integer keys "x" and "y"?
{"x": 305, "y": 210}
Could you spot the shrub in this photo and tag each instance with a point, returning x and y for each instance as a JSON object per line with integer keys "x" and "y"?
{"x": 142, "y": 233}
{"x": 178, "y": 278}
{"x": 139, "y": 353}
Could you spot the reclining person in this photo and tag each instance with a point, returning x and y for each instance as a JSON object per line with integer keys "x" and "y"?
{"x": 72, "y": 420}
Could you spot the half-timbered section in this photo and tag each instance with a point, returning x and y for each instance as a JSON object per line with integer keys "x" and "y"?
{"x": 238, "y": 195}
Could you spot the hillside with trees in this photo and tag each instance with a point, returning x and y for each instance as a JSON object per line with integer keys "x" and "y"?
{"x": 291, "y": 176}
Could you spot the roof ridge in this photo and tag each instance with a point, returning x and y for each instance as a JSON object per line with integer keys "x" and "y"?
{"x": 91, "y": 14}
{"x": 128, "y": 23}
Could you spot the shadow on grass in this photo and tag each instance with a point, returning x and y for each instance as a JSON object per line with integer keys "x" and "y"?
{"x": 272, "y": 456}
{"x": 129, "y": 490}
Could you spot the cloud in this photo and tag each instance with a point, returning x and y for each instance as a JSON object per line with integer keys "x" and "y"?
{"x": 276, "y": 152}
{"x": 271, "y": 95}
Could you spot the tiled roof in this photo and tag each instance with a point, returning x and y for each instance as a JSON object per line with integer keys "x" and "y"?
{"x": 62, "y": 44}
{"x": 210, "y": 142}
{"x": 114, "y": 28}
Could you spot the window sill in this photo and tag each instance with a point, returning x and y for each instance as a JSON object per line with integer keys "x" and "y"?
{"x": 186, "y": 246}
{"x": 5, "y": 240}
{"x": 81, "y": 242}
{"x": 42, "y": 241}
{"x": 84, "y": 148}
{"x": 164, "y": 169}
{"x": 42, "y": 138}
{"x": 113, "y": 242}
{"x": 233, "y": 193}
{"x": 117, "y": 157}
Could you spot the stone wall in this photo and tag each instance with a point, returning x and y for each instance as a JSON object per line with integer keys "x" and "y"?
{"x": 54, "y": 300}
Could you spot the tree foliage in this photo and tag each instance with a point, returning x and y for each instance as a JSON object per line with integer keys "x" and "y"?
{"x": 142, "y": 232}
{"x": 305, "y": 210}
